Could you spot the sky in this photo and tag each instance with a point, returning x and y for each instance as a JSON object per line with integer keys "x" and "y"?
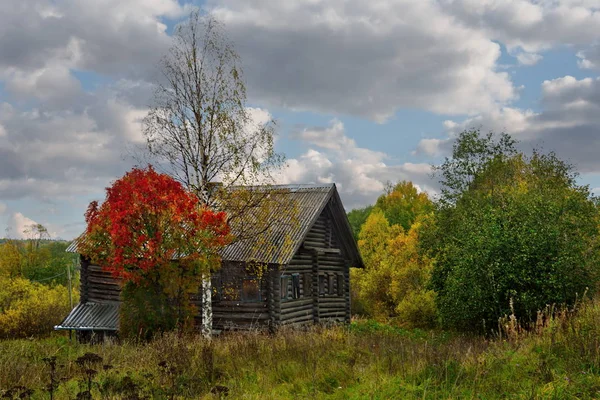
{"x": 363, "y": 92}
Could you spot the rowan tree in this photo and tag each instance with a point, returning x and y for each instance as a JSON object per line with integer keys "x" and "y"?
{"x": 155, "y": 235}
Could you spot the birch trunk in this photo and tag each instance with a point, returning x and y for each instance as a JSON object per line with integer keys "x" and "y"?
{"x": 207, "y": 315}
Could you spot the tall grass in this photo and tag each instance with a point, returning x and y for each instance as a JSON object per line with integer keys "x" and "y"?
{"x": 365, "y": 360}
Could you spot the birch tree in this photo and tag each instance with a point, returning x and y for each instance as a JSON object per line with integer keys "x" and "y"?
{"x": 200, "y": 129}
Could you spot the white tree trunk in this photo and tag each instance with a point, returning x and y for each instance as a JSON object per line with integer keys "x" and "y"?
{"x": 207, "y": 315}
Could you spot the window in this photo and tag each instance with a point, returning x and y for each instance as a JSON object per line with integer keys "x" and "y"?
{"x": 251, "y": 289}
{"x": 340, "y": 285}
{"x": 295, "y": 286}
{"x": 321, "y": 285}
{"x": 285, "y": 280}
{"x": 307, "y": 284}
{"x": 330, "y": 284}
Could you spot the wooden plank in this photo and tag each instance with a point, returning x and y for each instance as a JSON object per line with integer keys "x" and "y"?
{"x": 323, "y": 250}
{"x": 295, "y": 303}
{"x": 242, "y": 316}
{"x": 328, "y": 301}
{"x": 307, "y": 312}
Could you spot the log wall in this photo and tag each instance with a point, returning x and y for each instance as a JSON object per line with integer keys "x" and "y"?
{"x": 231, "y": 309}
{"x": 324, "y": 294}
{"x": 98, "y": 286}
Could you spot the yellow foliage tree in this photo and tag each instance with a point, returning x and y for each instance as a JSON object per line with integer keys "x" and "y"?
{"x": 28, "y": 308}
{"x": 393, "y": 284}
{"x": 11, "y": 260}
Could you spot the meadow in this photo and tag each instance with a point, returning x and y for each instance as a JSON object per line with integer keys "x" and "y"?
{"x": 557, "y": 359}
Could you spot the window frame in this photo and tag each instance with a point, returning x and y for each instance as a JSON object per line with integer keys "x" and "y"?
{"x": 340, "y": 285}
{"x": 322, "y": 285}
{"x": 284, "y": 285}
{"x": 307, "y": 284}
{"x": 330, "y": 285}
{"x": 295, "y": 286}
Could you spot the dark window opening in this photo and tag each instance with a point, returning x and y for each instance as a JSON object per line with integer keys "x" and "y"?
{"x": 284, "y": 287}
{"x": 251, "y": 289}
{"x": 330, "y": 284}
{"x": 340, "y": 285}
{"x": 295, "y": 286}
{"x": 307, "y": 284}
{"x": 321, "y": 285}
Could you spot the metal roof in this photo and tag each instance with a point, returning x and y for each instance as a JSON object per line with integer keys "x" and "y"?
{"x": 298, "y": 208}
{"x": 92, "y": 316}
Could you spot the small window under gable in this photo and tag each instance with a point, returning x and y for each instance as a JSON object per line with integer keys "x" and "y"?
{"x": 251, "y": 289}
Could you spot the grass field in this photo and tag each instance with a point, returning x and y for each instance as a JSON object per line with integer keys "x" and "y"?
{"x": 365, "y": 360}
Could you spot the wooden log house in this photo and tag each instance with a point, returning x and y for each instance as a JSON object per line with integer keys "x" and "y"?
{"x": 305, "y": 281}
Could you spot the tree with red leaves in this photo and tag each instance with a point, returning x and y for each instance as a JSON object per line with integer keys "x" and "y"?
{"x": 157, "y": 237}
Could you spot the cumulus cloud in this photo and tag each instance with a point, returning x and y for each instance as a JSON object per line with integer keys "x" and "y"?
{"x": 568, "y": 123}
{"x": 360, "y": 173}
{"x": 47, "y": 154}
{"x": 123, "y": 38}
{"x": 530, "y": 25}
{"x": 18, "y": 224}
{"x": 528, "y": 59}
{"x": 364, "y": 58}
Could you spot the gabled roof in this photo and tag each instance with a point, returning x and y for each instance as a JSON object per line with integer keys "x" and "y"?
{"x": 299, "y": 207}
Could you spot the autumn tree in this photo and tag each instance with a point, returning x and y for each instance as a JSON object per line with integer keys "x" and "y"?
{"x": 11, "y": 259}
{"x": 509, "y": 228}
{"x": 159, "y": 239}
{"x": 402, "y": 203}
{"x": 394, "y": 283}
{"x": 201, "y": 131}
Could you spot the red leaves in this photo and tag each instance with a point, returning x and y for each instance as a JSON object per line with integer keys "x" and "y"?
{"x": 146, "y": 220}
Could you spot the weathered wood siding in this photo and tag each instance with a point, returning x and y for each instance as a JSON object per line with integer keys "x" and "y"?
{"x": 98, "y": 286}
{"x": 231, "y": 308}
{"x": 323, "y": 278}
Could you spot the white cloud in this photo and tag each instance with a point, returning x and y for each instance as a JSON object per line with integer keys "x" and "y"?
{"x": 568, "y": 123}
{"x": 50, "y": 84}
{"x": 528, "y": 59}
{"x": 18, "y": 224}
{"x": 364, "y": 58}
{"x": 359, "y": 173}
{"x": 530, "y": 25}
